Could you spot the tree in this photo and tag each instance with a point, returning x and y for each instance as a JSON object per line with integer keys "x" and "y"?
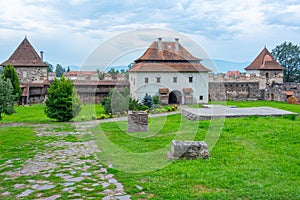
{"x": 148, "y": 101}
{"x": 10, "y": 73}
{"x": 1, "y": 70}
{"x": 68, "y": 69}
{"x": 62, "y": 103}
{"x": 7, "y": 97}
{"x": 50, "y": 67}
{"x": 59, "y": 70}
{"x": 288, "y": 56}
{"x": 116, "y": 102}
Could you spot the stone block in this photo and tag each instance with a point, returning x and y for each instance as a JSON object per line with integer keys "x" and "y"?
{"x": 189, "y": 149}
{"x": 137, "y": 121}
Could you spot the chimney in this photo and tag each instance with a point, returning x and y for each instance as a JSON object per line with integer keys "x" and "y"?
{"x": 176, "y": 44}
{"x": 159, "y": 43}
{"x": 42, "y": 55}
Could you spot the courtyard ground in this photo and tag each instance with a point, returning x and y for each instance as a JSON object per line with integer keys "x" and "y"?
{"x": 254, "y": 158}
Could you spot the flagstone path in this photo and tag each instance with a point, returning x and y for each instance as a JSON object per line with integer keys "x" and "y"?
{"x": 64, "y": 170}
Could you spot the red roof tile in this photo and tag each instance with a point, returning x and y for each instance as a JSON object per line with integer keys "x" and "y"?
{"x": 25, "y": 55}
{"x": 169, "y": 67}
{"x": 167, "y": 52}
{"x": 163, "y": 90}
{"x": 167, "y": 58}
{"x": 187, "y": 90}
{"x": 233, "y": 73}
{"x": 264, "y": 61}
{"x": 102, "y": 82}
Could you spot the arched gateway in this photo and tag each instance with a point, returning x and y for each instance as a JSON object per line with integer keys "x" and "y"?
{"x": 175, "y": 97}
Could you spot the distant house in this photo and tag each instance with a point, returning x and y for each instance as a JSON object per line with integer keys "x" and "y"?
{"x": 32, "y": 72}
{"x": 169, "y": 71}
{"x": 233, "y": 74}
{"x": 265, "y": 65}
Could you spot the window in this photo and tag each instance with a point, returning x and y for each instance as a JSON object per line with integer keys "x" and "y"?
{"x": 201, "y": 98}
{"x": 190, "y": 79}
{"x": 146, "y": 80}
{"x": 175, "y": 79}
{"x": 134, "y": 81}
{"x": 158, "y": 79}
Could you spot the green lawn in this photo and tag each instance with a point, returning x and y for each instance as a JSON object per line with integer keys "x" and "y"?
{"x": 35, "y": 114}
{"x": 254, "y": 158}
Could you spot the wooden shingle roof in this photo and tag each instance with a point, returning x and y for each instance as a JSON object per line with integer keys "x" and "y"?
{"x": 25, "y": 55}
{"x": 167, "y": 57}
{"x": 264, "y": 61}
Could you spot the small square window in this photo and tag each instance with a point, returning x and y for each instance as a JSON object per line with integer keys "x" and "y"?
{"x": 201, "y": 98}
{"x": 175, "y": 79}
{"x": 158, "y": 79}
{"x": 146, "y": 80}
{"x": 190, "y": 79}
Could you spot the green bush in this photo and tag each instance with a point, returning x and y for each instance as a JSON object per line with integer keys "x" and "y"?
{"x": 62, "y": 103}
{"x": 148, "y": 101}
{"x": 10, "y": 73}
{"x": 7, "y": 97}
{"x": 143, "y": 107}
{"x": 116, "y": 102}
{"x": 156, "y": 100}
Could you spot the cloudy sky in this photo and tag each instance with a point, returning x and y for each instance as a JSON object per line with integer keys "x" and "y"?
{"x": 68, "y": 31}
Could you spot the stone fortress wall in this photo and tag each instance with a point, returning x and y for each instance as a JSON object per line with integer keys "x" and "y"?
{"x": 247, "y": 87}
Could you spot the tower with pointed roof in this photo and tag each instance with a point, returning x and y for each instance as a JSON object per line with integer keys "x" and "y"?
{"x": 267, "y": 67}
{"x": 31, "y": 70}
{"x": 169, "y": 71}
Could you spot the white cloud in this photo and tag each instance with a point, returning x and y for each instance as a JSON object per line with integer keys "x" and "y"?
{"x": 217, "y": 24}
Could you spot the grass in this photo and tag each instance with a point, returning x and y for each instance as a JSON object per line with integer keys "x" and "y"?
{"x": 35, "y": 114}
{"x": 17, "y": 142}
{"x": 254, "y": 158}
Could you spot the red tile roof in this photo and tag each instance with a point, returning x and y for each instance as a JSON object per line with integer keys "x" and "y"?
{"x": 163, "y": 90}
{"x": 264, "y": 61}
{"x": 25, "y": 55}
{"x": 102, "y": 82}
{"x": 187, "y": 90}
{"x": 169, "y": 67}
{"x": 233, "y": 73}
{"x": 167, "y": 52}
{"x": 167, "y": 59}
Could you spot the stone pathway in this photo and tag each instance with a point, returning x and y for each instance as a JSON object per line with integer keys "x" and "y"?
{"x": 65, "y": 169}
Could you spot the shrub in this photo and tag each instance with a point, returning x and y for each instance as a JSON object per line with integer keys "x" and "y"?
{"x": 143, "y": 107}
{"x": 148, "y": 101}
{"x": 116, "y": 102}
{"x": 10, "y": 73}
{"x": 7, "y": 97}
{"x": 156, "y": 100}
{"x": 62, "y": 103}
{"x": 133, "y": 104}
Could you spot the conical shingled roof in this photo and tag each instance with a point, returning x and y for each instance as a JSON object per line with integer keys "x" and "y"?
{"x": 25, "y": 55}
{"x": 264, "y": 61}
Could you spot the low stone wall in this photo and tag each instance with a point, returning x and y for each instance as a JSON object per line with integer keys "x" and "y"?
{"x": 189, "y": 149}
{"x": 137, "y": 121}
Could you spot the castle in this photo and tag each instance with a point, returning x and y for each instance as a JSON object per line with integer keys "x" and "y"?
{"x": 263, "y": 80}
{"x": 167, "y": 70}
